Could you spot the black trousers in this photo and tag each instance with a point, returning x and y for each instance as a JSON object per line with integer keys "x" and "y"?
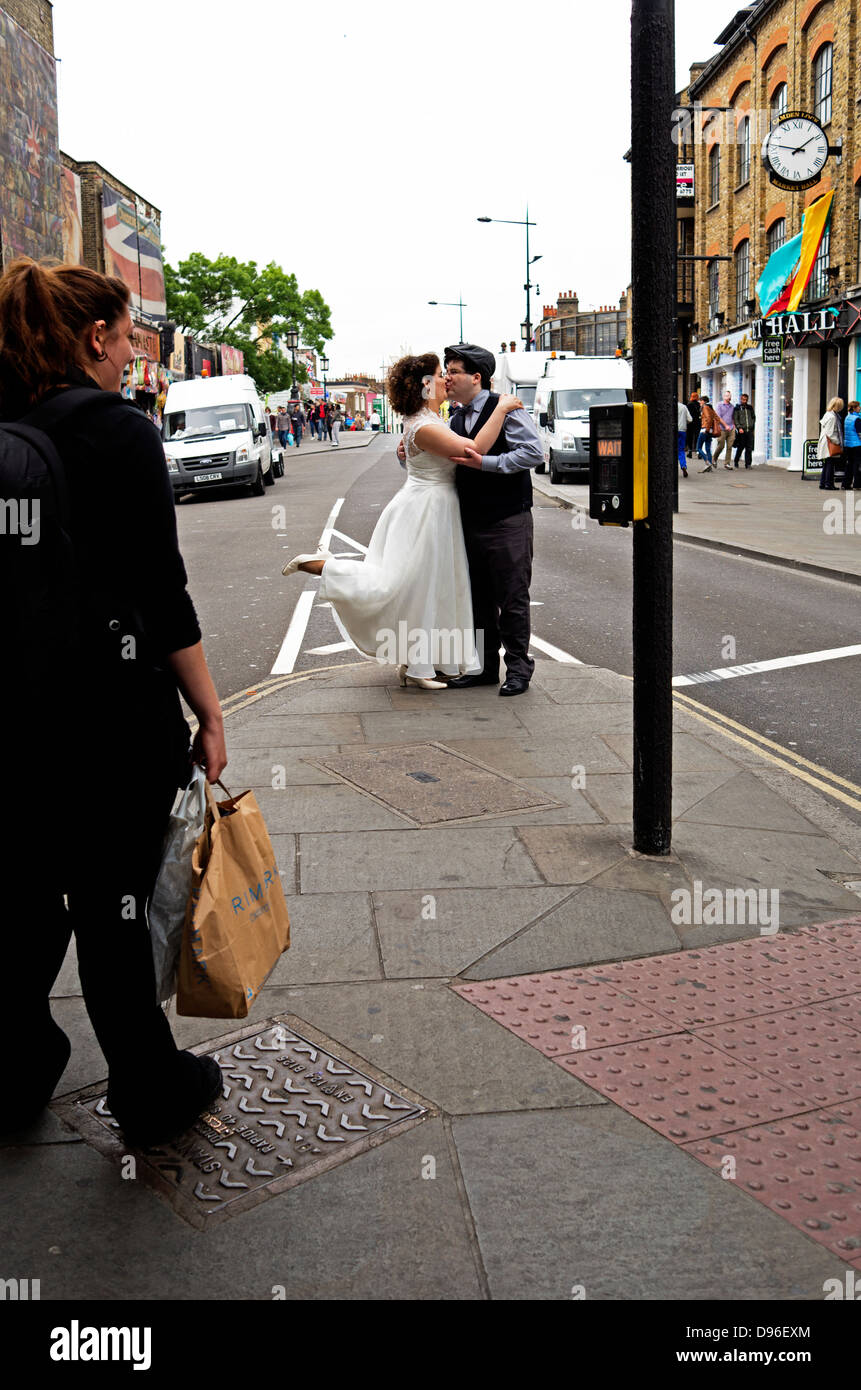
{"x": 692, "y": 435}
{"x": 744, "y": 444}
{"x": 91, "y": 831}
{"x": 852, "y": 468}
{"x": 500, "y": 572}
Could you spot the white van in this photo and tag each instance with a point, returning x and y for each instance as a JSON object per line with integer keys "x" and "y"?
{"x": 518, "y": 374}
{"x": 563, "y": 398}
{"x": 216, "y": 434}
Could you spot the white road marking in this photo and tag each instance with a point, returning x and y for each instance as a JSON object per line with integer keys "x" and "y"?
{"x": 777, "y": 663}
{"x": 286, "y": 658}
{"x": 327, "y": 651}
{"x": 346, "y": 555}
{"x": 330, "y": 525}
{"x": 349, "y": 539}
{"x": 556, "y": 652}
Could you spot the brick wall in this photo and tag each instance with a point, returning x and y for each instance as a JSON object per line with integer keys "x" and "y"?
{"x": 780, "y": 48}
{"x": 35, "y": 17}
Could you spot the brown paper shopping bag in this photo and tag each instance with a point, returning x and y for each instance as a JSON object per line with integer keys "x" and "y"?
{"x": 236, "y": 926}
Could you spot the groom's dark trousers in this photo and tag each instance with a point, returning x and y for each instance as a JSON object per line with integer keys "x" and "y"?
{"x": 496, "y": 511}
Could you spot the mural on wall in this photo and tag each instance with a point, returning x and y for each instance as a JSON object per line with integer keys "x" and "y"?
{"x": 73, "y": 235}
{"x": 133, "y": 253}
{"x": 31, "y": 214}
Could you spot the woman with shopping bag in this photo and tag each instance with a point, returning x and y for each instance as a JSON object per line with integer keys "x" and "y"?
{"x": 830, "y": 446}
{"x": 100, "y": 743}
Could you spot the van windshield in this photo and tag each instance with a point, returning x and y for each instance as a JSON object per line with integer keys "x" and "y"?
{"x": 570, "y": 404}
{"x": 206, "y": 421}
{"x": 526, "y": 394}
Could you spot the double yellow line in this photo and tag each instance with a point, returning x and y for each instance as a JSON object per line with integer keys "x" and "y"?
{"x": 785, "y": 758}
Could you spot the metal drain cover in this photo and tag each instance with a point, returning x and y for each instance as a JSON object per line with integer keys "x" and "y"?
{"x": 428, "y": 784}
{"x": 293, "y": 1105}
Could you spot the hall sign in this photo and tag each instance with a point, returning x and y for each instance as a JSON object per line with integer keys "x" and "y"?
{"x": 811, "y": 321}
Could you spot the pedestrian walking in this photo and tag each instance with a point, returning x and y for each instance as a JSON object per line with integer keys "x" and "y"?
{"x": 830, "y": 446}
{"x": 683, "y": 423}
{"x": 744, "y": 419}
{"x": 117, "y": 734}
{"x": 329, "y": 414}
{"x": 297, "y": 420}
{"x": 337, "y": 422}
{"x": 709, "y": 426}
{"x": 693, "y": 431}
{"x": 320, "y": 412}
{"x": 852, "y": 447}
{"x": 283, "y": 422}
{"x": 724, "y": 412}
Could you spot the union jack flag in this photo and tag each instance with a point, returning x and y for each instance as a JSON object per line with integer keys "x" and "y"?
{"x": 133, "y": 252}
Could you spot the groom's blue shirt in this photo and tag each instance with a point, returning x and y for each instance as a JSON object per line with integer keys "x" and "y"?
{"x": 519, "y": 433}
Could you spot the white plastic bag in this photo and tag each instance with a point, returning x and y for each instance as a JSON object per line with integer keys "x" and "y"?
{"x": 169, "y": 899}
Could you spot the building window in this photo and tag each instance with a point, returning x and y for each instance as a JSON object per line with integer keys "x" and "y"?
{"x": 742, "y": 280}
{"x": 714, "y": 288}
{"x": 822, "y": 64}
{"x": 587, "y": 340}
{"x": 607, "y": 339}
{"x": 744, "y": 151}
{"x": 776, "y": 236}
{"x": 714, "y": 174}
{"x": 818, "y": 287}
{"x": 778, "y": 103}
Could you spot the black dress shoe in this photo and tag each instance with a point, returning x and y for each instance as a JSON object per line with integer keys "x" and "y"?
{"x": 155, "y": 1114}
{"x": 464, "y": 682}
{"x": 514, "y": 685}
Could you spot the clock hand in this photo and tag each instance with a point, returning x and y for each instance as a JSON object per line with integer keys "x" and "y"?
{"x": 801, "y": 147}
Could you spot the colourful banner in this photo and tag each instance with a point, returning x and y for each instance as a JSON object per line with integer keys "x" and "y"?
{"x": 31, "y": 217}
{"x": 788, "y": 270}
{"x": 133, "y": 252}
{"x": 777, "y": 275}
{"x": 232, "y": 360}
{"x": 813, "y": 227}
{"x": 73, "y": 235}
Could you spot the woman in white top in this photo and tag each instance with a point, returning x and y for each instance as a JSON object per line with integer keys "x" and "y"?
{"x": 408, "y": 602}
{"x": 831, "y": 431}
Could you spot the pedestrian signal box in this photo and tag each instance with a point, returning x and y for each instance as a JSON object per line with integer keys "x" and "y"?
{"x": 618, "y": 463}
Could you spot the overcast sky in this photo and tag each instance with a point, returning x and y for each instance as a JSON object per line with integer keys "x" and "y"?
{"x": 356, "y": 147}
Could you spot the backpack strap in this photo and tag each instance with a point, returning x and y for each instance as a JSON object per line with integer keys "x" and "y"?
{"x": 45, "y": 417}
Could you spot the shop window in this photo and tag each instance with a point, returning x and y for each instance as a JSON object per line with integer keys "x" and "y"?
{"x": 822, "y": 66}
{"x": 742, "y": 280}
{"x": 714, "y": 288}
{"x": 778, "y": 103}
{"x": 775, "y": 236}
{"x": 818, "y": 287}
{"x": 714, "y": 174}
{"x": 744, "y": 151}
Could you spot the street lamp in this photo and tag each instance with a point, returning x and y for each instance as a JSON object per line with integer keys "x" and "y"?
{"x": 513, "y": 222}
{"x": 324, "y": 367}
{"x": 453, "y": 304}
{"x": 292, "y": 340}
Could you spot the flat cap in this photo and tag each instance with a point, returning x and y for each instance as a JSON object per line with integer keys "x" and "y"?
{"x": 473, "y": 357}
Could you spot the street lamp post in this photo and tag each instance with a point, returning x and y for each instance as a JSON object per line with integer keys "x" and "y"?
{"x": 453, "y": 304}
{"x": 514, "y": 222}
{"x": 324, "y": 367}
{"x": 292, "y": 339}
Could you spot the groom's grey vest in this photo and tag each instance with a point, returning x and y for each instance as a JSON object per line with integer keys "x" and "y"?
{"x": 489, "y": 497}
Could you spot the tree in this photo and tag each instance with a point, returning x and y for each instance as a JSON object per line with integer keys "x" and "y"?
{"x": 231, "y": 301}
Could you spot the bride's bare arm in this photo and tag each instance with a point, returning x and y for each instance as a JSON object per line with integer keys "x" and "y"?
{"x": 439, "y": 439}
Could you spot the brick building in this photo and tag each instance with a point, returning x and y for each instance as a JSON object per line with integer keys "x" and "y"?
{"x": 566, "y": 327}
{"x": 776, "y": 56}
{"x": 36, "y": 18}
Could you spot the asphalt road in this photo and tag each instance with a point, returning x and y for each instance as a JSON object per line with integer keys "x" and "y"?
{"x": 728, "y": 610}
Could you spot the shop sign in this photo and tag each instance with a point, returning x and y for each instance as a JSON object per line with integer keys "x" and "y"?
{"x": 811, "y": 466}
{"x": 684, "y": 180}
{"x": 147, "y": 342}
{"x": 772, "y": 352}
{"x": 729, "y": 348}
{"x": 810, "y": 321}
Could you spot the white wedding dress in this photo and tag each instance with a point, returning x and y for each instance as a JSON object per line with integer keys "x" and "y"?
{"x": 408, "y": 602}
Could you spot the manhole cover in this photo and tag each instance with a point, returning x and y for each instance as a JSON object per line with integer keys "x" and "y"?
{"x": 291, "y": 1108}
{"x": 429, "y": 785}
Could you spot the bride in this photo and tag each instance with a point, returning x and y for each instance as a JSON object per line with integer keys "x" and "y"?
{"x": 409, "y": 600}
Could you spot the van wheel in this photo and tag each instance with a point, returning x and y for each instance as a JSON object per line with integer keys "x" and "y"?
{"x": 555, "y": 475}
{"x": 258, "y": 487}
{"x": 269, "y": 478}
{"x": 540, "y": 467}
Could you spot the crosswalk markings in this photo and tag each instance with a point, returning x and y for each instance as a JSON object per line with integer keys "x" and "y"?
{"x": 777, "y": 663}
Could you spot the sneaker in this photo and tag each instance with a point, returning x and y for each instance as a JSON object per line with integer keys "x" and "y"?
{"x": 708, "y": 468}
{"x": 684, "y": 472}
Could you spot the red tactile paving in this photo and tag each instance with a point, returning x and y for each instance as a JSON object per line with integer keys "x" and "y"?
{"x": 749, "y": 1050}
{"x": 807, "y": 1169}
{"x": 683, "y": 1088}
{"x": 804, "y": 1049}
{"x": 693, "y": 988}
{"x": 564, "y": 1012}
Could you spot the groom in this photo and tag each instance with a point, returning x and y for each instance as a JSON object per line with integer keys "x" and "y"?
{"x": 496, "y": 511}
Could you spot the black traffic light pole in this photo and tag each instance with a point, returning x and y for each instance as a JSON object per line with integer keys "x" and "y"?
{"x": 653, "y": 259}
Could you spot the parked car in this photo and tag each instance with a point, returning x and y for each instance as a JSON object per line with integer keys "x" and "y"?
{"x": 216, "y": 434}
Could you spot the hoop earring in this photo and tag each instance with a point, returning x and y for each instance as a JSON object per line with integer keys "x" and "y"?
{"x": 102, "y": 357}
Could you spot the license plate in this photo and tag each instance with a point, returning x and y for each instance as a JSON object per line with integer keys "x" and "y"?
{"x": 207, "y": 477}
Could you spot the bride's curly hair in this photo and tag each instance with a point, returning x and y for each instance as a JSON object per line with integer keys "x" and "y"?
{"x": 406, "y": 382}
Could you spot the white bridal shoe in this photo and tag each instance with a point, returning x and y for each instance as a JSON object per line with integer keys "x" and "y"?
{"x": 292, "y": 565}
{"x": 421, "y": 681}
